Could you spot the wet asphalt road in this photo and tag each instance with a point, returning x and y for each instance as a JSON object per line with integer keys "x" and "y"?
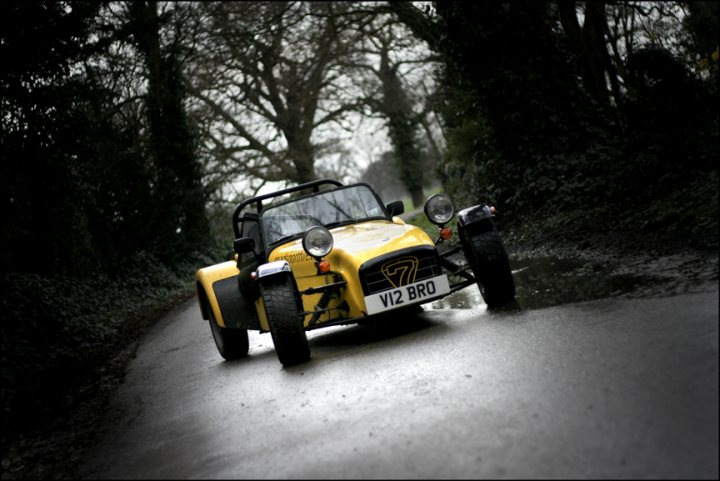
{"x": 611, "y": 388}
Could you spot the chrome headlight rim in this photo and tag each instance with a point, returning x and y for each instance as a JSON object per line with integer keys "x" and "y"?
{"x": 439, "y": 209}
{"x": 317, "y": 242}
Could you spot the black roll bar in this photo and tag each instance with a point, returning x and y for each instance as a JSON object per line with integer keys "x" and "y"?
{"x": 315, "y": 185}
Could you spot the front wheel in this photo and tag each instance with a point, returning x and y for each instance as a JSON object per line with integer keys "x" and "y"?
{"x": 285, "y": 321}
{"x": 491, "y": 267}
{"x": 230, "y": 343}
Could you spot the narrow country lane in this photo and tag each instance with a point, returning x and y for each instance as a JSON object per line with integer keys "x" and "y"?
{"x": 615, "y": 387}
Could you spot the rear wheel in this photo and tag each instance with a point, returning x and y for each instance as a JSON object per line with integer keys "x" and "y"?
{"x": 285, "y": 321}
{"x": 231, "y": 343}
{"x": 491, "y": 267}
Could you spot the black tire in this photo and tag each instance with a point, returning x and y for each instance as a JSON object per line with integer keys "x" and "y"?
{"x": 491, "y": 268}
{"x": 230, "y": 343}
{"x": 286, "y": 326}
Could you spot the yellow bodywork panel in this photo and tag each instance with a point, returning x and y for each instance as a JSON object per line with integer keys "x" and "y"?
{"x": 207, "y": 276}
{"x": 353, "y": 246}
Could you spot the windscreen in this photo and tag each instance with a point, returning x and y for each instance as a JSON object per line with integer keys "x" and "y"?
{"x": 329, "y": 209}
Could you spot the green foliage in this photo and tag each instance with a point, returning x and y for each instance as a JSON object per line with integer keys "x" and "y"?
{"x": 703, "y": 26}
{"x": 520, "y": 114}
{"x": 88, "y": 183}
{"x": 471, "y": 163}
{"x": 528, "y": 133}
{"x": 104, "y": 210}
{"x": 59, "y": 331}
{"x": 43, "y": 133}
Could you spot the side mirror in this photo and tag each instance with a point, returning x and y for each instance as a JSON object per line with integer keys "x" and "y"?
{"x": 395, "y": 208}
{"x": 244, "y": 245}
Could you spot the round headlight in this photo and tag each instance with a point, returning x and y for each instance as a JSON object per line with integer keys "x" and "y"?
{"x": 317, "y": 241}
{"x": 439, "y": 209}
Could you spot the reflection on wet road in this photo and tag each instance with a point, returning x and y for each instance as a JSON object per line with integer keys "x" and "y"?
{"x": 547, "y": 281}
{"x": 608, "y": 389}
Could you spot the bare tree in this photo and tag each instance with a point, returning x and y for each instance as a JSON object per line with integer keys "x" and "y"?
{"x": 269, "y": 81}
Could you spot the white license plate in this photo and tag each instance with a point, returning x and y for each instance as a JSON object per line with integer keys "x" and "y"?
{"x": 418, "y": 292}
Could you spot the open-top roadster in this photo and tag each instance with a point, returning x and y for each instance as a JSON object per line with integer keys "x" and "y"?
{"x": 323, "y": 253}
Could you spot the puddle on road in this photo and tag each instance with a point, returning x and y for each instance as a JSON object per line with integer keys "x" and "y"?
{"x": 545, "y": 282}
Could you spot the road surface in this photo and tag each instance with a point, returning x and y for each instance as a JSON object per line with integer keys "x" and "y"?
{"x": 611, "y": 388}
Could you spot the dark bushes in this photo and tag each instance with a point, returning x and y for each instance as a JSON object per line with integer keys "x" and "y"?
{"x": 59, "y": 331}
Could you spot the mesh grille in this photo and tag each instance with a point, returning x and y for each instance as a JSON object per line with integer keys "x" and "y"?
{"x": 401, "y": 268}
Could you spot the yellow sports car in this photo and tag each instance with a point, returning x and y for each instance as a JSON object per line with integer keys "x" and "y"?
{"x": 323, "y": 253}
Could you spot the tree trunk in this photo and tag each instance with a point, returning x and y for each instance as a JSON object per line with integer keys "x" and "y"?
{"x": 180, "y": 221}
{"x": 402, "y": 127}
{"x": 418, "y": 197}
{"x": 589, "y": 44}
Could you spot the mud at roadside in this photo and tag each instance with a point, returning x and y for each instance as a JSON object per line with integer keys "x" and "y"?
{"x": 548, "y": 274}
{"x": 552, "y": 275}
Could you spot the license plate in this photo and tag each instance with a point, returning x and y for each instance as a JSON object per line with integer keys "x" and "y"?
{"x": 416, "y": 293}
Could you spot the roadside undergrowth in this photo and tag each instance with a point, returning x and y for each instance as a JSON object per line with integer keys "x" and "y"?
{"x": 66, "y": 342}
